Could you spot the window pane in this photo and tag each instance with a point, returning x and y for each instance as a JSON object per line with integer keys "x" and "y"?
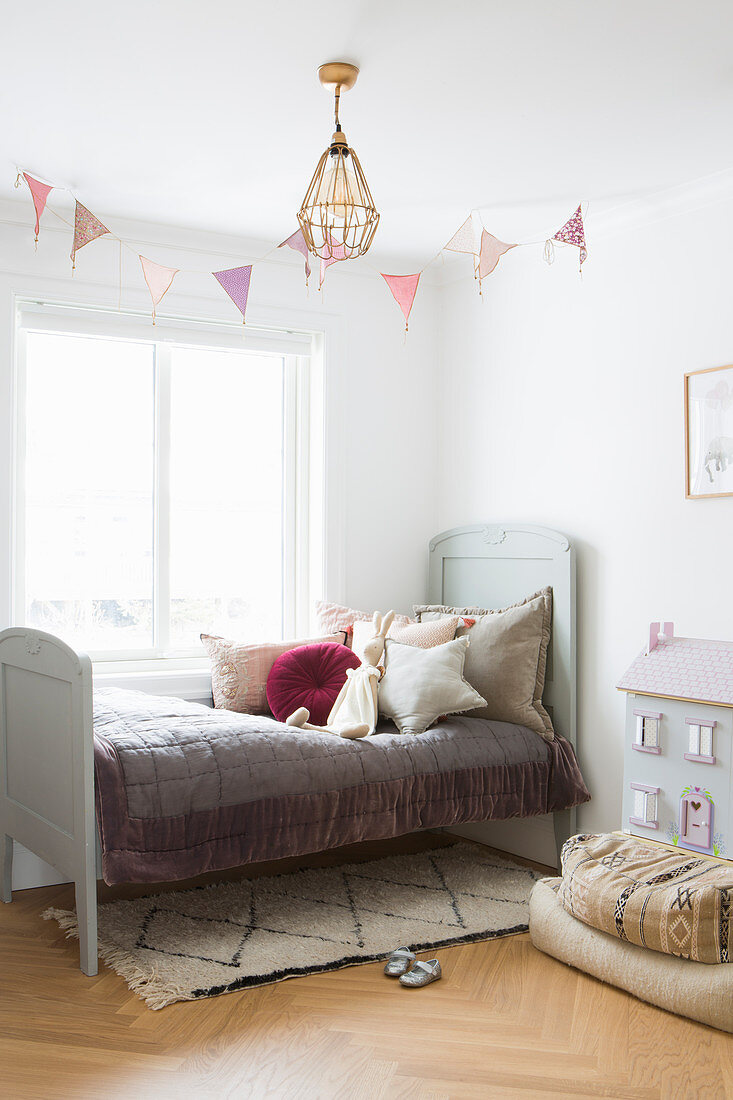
{"x": 89, "y": 490}
{"x": 226, "y": 495}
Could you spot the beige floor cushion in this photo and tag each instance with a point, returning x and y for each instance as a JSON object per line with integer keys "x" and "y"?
{"x": 695, "y": 990}
{"x": 677, "y": 902}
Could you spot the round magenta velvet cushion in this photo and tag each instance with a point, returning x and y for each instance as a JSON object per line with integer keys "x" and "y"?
{"x": 309, "y": 676}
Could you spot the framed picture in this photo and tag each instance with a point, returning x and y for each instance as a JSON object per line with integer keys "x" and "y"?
{"x": 709, "y": 433}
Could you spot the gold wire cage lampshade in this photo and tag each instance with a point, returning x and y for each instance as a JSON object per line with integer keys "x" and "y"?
{"x": 338, "y": 216}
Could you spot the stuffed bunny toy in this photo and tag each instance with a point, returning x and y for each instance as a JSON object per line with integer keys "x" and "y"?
{"x": 354, "y": 714}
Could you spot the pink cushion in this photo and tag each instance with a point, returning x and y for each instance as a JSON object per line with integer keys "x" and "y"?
{"x": 334, "y": 616}
{"x": 310, "y": 676}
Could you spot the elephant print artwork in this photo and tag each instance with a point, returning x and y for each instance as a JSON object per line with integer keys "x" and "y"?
{"x": 719, "y": 455}
{"x": 709, "y": 432}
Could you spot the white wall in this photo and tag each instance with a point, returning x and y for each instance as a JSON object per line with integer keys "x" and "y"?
{"x": 562, "y": 402}
{"x": 380, "y": 406}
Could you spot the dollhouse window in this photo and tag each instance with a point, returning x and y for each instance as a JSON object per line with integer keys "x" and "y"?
{"x": 645, "y": 806}
{"x": 700, "y": 741}
{"x": 646, "y": 738}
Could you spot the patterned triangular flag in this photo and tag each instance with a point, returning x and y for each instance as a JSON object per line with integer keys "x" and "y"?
{"x": 404, "y": 288}
{"x": 465, "y": 239}
{"x": 40, "y": 192}
{"x": 87, "y": 228}
{"x": 158, "y": 278}
{"x": 492, "y": 250}
{"x": 573, "y": 232}
{"x": 235, "y": 282}
{"x": 297, "y": 241}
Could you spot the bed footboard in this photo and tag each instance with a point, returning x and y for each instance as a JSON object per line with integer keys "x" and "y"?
{"x": 47, "y": 767}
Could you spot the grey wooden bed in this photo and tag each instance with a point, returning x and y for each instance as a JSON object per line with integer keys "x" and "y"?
{"x": 47, "y": 792}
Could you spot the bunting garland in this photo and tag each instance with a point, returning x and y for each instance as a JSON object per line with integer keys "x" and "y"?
{"x": 158, "y": 278}
{"x": 336, "y": 253}
{"x": 492, "y": 249}
{"x": 235, "y": 282}
{"x": 39, "y": 192}
{"x": 87, "y": 228}
{"x": 485, "y": 249}
{"x": 465, "y": 239}
{"x": 404, "y": 289}
{"x": 573, "y": 232}
{"x": 297, "y": 241}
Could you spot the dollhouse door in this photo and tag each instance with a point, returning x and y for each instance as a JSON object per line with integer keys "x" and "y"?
{"x": 696, "y": 816}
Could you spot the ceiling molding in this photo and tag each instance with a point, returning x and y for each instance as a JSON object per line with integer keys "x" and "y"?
{"x": 672, "y": 202}
{"x": 177, "y": 244}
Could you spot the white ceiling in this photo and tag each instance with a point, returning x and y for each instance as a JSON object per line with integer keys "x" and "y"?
{"x": 210, "y": 114}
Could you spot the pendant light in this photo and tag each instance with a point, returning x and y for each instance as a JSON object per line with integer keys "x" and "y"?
{"x": 338, "y": 216}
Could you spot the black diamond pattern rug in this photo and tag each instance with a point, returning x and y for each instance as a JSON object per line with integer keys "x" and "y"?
{"x": 188, "y": 944}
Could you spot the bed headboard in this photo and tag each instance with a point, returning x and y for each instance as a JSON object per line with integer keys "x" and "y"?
{"x": 492, "y": 565}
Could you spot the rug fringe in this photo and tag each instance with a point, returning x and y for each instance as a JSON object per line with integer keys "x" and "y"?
{"x": 124, "y": 964}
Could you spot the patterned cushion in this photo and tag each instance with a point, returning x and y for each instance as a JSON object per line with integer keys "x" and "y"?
{"x": 334, "y": 616}
{"x": 239, "y": 672}
{"x": 310, "y": 676}
{"x": 423, "y": 635}
{"x": 675, "y": 902}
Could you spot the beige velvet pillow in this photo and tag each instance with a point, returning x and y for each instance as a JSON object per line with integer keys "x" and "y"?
{"x": 507, "y": 658}
{"x": 421, "y": 684}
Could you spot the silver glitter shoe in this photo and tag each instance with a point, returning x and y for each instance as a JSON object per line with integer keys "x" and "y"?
{"x": 422, "y": 973}
{"x": 399, "y": 962}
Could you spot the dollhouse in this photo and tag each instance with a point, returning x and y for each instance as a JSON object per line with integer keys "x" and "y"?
{"x": 679, "y": 733}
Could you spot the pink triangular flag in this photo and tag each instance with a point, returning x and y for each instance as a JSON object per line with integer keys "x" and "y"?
{"x": 573, "y": 232}
{"x": 492, "y": 250}
{"x": 404, "y": 288}
{"x": 235, "y": 282}
{"x": 338, "y": 252}
{"x": 158, "y": 278}
{"x": 40, "y": 192}
{"x": 87, "y": 228}
{"x": 297, "y": 241}
{"x": 465, "y": 239}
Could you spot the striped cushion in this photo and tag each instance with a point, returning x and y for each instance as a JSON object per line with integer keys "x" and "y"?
{"x": 675, "y": 902}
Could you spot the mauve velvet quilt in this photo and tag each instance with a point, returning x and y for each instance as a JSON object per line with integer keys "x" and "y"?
{"x": 182, "y": 789}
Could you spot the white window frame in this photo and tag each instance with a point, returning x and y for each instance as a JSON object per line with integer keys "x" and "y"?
{"x": 695, "y": 735}
{"x": 648, "y": 731}
{"x": 302, "y": 476}
{"x": 649, "y": 818}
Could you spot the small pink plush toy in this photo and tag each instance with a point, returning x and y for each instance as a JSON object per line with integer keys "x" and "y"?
{"x": 355, "y": 712}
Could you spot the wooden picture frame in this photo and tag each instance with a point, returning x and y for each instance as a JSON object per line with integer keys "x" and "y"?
{"x": 709, "y": 433}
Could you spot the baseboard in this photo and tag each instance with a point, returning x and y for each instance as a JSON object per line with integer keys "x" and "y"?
{"x": 529, "y": 837}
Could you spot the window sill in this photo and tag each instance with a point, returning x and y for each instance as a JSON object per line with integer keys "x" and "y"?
{"x": 191, "y": 684}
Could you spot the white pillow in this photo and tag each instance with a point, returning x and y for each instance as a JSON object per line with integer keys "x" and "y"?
{"x": 424, "y": 635}
{"x": 421, "y": 684}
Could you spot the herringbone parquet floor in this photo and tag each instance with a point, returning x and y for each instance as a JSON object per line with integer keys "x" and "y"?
{"x": 505, "y": 1022}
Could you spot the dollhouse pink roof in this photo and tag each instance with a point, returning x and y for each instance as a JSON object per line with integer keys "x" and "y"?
{"x": 684, "y": 668}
